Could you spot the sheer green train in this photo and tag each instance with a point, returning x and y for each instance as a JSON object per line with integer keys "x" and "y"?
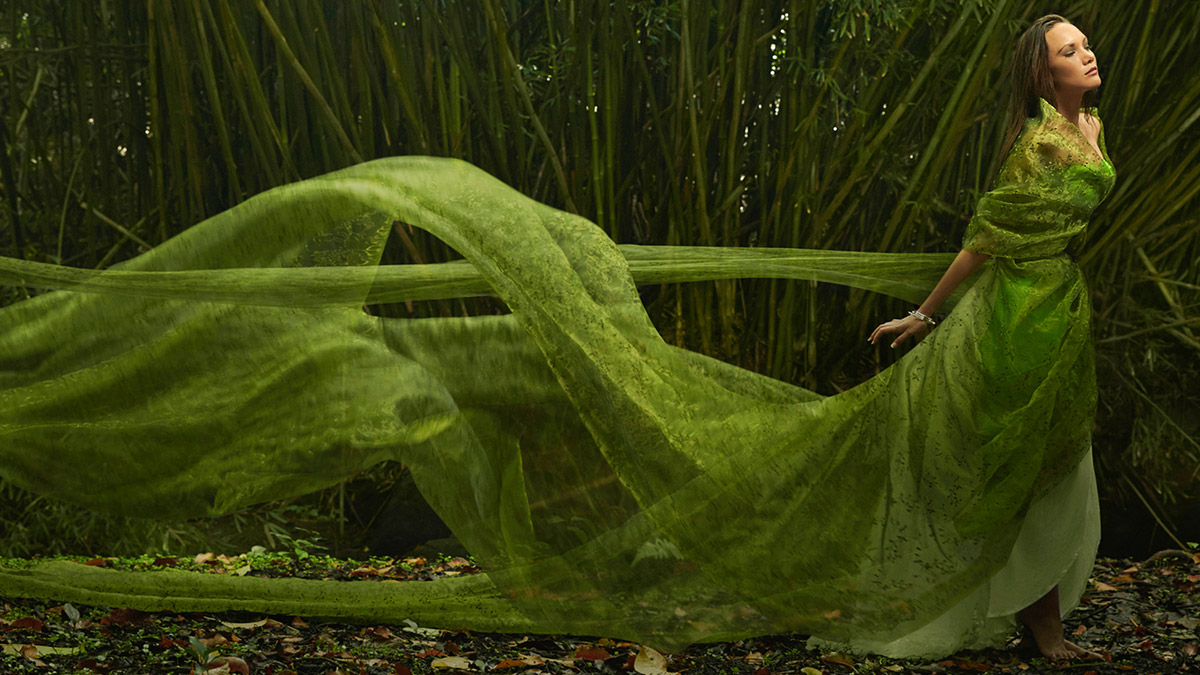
{"x": 608, "y": 482}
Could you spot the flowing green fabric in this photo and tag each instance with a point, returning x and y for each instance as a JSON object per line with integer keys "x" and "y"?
{"x": 608, "y": 482}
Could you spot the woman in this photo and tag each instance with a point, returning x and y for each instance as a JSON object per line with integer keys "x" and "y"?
{"x": 1054, "y": 61}
{"x": 608, "y": 482}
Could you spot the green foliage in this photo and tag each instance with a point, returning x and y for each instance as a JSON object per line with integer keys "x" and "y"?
{"x": 278, "y": 534}
{"x": 32, "y": 525}
{"x": 204, "y": 655}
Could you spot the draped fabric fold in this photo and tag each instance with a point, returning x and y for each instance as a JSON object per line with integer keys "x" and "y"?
{"x": 608, "y": 483}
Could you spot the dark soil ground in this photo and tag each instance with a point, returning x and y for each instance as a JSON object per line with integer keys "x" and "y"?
{"x": 1142, "y": 616}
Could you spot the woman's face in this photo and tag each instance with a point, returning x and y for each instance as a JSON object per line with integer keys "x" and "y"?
{"x": 1072, "y": 63}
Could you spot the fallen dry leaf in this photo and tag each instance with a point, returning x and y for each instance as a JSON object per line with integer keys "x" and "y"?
{"x": 380, "y": 633}
{"x": 214, "y": 641}
{"x": 592, "y": 653}
{"x": 650, "y": 662}
{"x": 32, "y": 623}
{"x": 251, "y": 624}
{"x": 456, "y": 662}
{"x": 838, "y": 658}
{"x": 30, "y": 652}
{"x": 125, "y": 615}
{"x": 232, "y": 664}
{"x": 525, "y": 661}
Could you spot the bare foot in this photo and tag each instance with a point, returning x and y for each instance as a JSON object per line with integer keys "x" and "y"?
{"x": 1055, "y": 650}
{"x": 1065, "y": 650}
{"x": 1043, "y": 621}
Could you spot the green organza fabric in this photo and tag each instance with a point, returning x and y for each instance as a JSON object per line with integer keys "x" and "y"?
{"x": 608, "y": 482}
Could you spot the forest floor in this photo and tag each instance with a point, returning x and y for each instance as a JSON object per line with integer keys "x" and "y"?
{"x": 1142, "y": 616}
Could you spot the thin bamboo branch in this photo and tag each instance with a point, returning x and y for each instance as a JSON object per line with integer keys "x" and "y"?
{"x": 513, "y": 72}
{"x": 282, "y": 43}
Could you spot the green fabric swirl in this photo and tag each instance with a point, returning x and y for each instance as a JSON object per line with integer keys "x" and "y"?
{"x": 609, "y": 483}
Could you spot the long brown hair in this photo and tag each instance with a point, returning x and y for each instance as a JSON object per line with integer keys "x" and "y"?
{"x": 1030, "y": 78}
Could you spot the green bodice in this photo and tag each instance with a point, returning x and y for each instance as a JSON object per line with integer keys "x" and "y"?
{"x": 1045, "y": 191}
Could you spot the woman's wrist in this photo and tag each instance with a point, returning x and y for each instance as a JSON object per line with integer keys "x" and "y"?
{"x": 925, "y": 318}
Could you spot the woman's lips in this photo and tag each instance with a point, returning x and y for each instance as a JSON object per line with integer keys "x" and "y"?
{"x": 1091, "y": 72}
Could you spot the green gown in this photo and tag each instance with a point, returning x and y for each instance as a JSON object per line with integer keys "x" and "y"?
{"x": 609, "y": 483}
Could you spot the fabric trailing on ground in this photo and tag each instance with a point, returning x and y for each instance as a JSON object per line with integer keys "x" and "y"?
{"x": 609, "y": 483}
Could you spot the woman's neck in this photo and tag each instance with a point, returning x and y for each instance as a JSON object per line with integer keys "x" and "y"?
{"x": 1068, "y": 105}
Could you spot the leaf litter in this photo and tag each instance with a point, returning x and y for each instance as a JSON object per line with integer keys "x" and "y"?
{"x": 1143, "y": 617}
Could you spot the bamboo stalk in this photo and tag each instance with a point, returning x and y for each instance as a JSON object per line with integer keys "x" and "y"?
{"x": 286, "y": 51}
{"x": 156, "y": 121}
{"x": 514, "y": 76}
{"x": 204, "y": 58}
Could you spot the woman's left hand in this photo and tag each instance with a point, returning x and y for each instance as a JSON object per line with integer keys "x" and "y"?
{"x": 909, "y": 326}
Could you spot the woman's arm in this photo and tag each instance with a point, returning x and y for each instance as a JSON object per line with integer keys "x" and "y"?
{"x": 964, "y": 264}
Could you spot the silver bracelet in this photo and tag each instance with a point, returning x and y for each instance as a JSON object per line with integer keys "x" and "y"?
{"x": 922, "y": 317}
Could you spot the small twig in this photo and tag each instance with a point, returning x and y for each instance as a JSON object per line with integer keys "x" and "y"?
{"x": 37, "y": 82}
{"x": 115, "y": 225}
{"x": 1153, "y": 513}
{"x": 1172, "y": 301}
{"x": 1147, "y": 329}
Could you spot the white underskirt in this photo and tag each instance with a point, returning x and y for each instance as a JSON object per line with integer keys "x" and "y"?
{"x": 1057, "y": 545}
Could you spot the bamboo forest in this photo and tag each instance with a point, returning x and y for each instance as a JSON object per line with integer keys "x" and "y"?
{"x": 541, "y": 336}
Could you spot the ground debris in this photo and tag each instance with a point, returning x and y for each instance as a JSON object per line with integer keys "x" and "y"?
{"x": 1142, "y": 616}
